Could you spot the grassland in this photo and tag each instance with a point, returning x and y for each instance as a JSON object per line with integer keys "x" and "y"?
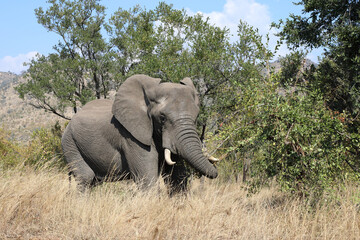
{"x": 42, "y": 205}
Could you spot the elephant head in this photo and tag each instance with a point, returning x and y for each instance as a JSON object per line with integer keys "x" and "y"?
{"x": 164, "y": 113}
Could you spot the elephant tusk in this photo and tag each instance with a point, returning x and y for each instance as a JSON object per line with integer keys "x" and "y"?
{"x": 168, "y": 157}
{"x": 213, "y": 159}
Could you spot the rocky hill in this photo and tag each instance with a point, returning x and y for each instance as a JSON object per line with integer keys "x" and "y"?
{"x": 276, "y": 65}
{"x": 16, "y": 116}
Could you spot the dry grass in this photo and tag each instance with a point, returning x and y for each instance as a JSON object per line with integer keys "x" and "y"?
{"x": 42, "y": 206}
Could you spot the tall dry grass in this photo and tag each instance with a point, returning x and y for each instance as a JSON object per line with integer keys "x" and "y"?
{"x": 41, "y": 205}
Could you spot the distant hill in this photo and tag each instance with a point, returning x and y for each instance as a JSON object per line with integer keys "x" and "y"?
{"x": 276, "y": 65}
{"x": 7, "y": 79}
{"x": 307, "y": 64}
{"x": 17, "y": 116}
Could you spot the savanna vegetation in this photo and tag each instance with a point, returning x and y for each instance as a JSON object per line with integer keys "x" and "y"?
{"x": 289, "y": 140}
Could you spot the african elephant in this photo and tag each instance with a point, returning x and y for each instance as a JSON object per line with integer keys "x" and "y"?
{"x": 149, "y": 123}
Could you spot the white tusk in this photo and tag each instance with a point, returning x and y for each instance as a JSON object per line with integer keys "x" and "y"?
{"x": 168, "y": 157}
{"x": 213, "y": 159}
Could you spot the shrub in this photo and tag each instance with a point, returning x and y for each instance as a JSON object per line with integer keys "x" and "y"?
{"x": 291, "y": 136}
{"x": 44, "y": 149}
{"x": 9, "y": 151}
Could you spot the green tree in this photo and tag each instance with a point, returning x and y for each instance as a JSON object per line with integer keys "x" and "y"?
{"x": 170, "y": 44}
{"x": 79, "y": 70}
{"x": 249, "y": 62}
{"x": 164, "y": 42}
{"x": 283, "y": 126}
{"x": 335, "y": 26}
{"x": 292, "y": 66}
{"x": 290, "y": 137}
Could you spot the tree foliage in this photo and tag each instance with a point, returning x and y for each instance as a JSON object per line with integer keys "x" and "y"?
{"x": 164, "y": 42}
{"x": 292, "y": 137}
{"x": 79, "y": 70}
{"x": 169, "y": 44}
{"x": 335, "y": 26}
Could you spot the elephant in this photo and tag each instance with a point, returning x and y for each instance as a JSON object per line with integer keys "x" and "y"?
{"x": 147, "y": 131}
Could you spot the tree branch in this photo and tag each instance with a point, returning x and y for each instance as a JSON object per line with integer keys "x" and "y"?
{"x": 47, "y": 107}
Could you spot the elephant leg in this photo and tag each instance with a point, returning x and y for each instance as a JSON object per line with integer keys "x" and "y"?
{"x": 84, "y": 175}
{"x": 143, "y": 165}
{"x": 145, "y": 175}
{"x": 177, "y": 178}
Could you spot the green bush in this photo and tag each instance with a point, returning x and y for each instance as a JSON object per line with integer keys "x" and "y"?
{"x": 291, "y": 136}
{"x": 44, "y": 149}
{"x": 10, "y": 155}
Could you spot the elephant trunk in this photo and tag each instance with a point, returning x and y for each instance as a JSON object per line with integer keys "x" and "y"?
{"x": 189, "y": 148}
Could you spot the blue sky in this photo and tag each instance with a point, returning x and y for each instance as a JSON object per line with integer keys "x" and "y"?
{"x": 22, "y": 37}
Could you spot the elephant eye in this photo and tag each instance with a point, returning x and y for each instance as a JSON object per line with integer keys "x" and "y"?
{"x": 162, "y": 118}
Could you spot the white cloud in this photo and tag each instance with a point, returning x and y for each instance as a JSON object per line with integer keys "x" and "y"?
{"x": 255, "y": 14}
{"x": 250, "y": 11}
{"x": 16, "y": 64}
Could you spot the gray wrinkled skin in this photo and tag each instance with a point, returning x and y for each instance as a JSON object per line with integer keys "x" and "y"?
{"x": 114, "y": 140}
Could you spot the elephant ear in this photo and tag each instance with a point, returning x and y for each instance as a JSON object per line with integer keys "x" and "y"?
{"x": 188, "y": 82}
{"x": 131, "y": 104}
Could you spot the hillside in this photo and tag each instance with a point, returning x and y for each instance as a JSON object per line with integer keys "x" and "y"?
{"x": 17, "y": 116}
{"x": 275, "y": 66}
